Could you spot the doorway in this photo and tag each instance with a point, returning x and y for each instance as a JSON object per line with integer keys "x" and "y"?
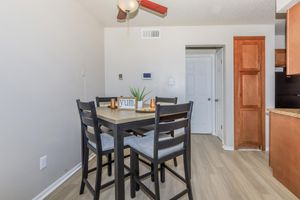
{"x": 204, "y": 86}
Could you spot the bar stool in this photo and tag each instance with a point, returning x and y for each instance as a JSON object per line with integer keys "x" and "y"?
{"x": 158, "y": 150}
{"x": 102, "y": 144}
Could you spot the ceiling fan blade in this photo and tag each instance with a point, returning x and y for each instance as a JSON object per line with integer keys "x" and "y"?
{"x": 121, "y": 15}
{"x": 154, "y": 7}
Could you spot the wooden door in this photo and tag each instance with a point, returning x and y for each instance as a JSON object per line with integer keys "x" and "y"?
{"x": 293, "y": 40}
{"x": 249, "y": 92}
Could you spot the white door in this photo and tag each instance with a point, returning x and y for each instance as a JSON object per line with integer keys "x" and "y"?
{"x": 219, "y": 94}
{"x": 199, "y": 90}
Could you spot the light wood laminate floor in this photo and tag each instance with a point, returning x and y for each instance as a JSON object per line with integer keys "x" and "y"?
{"x": 216, "y": 175}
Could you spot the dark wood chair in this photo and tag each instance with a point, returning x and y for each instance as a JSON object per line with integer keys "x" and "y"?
{"x": 103, "y": 101}
{"x": 102, "y": 144}
{"x": 162, "y": 100}
{"x": 144, "y": 130}
{"x": 158, "y": 100}
{"x": 158, "y": 150}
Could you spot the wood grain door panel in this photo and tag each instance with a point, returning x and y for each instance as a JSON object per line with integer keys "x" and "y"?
{"x": 249, "y": 91}
{"x": 250, "y": 127}
{"x": 250, "y": 58}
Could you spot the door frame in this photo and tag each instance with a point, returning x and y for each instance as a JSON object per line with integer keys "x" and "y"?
{"x": 222, "y": 93}
{"x": 216, "y": 47}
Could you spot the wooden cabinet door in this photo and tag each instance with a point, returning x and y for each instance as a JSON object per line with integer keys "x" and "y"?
{"x": 293, "y": 40}
{"x": 249, "y": 92}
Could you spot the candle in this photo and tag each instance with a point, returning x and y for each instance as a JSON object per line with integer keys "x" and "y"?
{"x": 152, "y": 103}
{"x": 113, "y": 103}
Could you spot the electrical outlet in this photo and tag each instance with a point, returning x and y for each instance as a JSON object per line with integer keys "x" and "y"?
{"x": 43, "y": 162}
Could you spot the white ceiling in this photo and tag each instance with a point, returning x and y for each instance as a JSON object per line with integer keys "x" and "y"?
{"x": 189, "y": 12}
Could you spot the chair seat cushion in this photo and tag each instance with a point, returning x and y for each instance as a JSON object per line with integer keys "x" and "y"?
{"x": 108, "y": 141}
{"x": 105, "y": 129}
{"x": 145, "y": 145}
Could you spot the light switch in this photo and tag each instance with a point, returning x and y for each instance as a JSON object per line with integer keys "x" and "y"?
{"x": 43, "y": 162}
{"x": 120, "y": 76}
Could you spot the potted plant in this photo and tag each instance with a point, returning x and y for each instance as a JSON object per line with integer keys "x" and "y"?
{"x": 139, "y": 95}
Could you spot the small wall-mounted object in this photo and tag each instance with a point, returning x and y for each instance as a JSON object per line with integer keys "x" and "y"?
{"x": 127, "y": 103}
{"x": 120, "y": 76}
{"x": 147, "y": 76}
{"x": 150, "y": 33}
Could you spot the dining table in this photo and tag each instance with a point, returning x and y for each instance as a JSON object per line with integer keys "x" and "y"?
{"x": 119, "y": 121}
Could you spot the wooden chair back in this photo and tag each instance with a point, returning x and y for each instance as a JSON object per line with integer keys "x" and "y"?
{"x": 89, "y": 123}
{"x": 100, "y": 100}
{"x": 165, "y": 100}
{"x": 169, "y": 118}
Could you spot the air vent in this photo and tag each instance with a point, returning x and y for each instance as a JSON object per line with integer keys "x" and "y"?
{"x": 150, "y": 33}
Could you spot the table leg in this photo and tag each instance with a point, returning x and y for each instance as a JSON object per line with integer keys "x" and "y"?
{"x": 119, "y": 163}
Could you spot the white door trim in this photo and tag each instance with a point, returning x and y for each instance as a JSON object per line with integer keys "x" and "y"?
{"x": 222, "y": 48}
{"x": 222, "y": 93}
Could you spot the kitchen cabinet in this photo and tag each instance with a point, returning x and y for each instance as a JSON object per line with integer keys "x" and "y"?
{"x": 293, "y": 40}
{"x": 285, "y": 148}
{"x": 280, "y": 57}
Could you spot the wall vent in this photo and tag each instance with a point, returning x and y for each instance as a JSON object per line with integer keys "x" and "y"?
{"x": 150, "y": 33}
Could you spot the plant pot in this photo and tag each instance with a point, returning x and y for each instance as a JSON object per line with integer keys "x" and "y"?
{"x": 140, "y": 104}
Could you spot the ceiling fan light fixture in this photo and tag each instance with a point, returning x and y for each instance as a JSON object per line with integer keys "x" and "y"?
{"x": 128, "y": 6}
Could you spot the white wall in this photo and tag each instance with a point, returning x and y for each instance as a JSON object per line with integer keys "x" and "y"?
{"x": 44, "y": 46}
{"x": 280, "y": 42}
{"x": 127, "y": 53}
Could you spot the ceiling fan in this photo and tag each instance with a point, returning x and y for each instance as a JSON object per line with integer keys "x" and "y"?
{"x": 127, "y": 7}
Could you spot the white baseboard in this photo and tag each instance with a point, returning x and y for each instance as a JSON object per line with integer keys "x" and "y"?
{"x": 228, "y": 148}
{"x": 267, "y": 149}
{"x": 231, "y": 148}
{"x": 59, "y": 181}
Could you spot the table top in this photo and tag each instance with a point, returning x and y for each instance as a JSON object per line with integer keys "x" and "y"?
{"x": 118, "y": 116}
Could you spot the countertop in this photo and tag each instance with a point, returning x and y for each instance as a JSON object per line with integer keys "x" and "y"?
{"x": 286, "y": 111}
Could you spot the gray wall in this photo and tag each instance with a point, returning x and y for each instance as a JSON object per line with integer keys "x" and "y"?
{"x": 45, "y": 49}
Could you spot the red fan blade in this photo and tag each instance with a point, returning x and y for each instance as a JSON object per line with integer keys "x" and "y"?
{"x": 154, "y": 6}
{"x": 121, "y": 15}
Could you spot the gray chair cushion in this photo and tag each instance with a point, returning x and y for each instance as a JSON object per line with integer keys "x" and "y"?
{"x": 108, "y": 141}
{"x": 145, "y": 145}
{"x": 105, "y": 129}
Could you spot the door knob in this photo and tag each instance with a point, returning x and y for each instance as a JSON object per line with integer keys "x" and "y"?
{"x": 209, "y": 99}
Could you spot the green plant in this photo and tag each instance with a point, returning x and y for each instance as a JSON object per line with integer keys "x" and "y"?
{"x": 139, "y": 94}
